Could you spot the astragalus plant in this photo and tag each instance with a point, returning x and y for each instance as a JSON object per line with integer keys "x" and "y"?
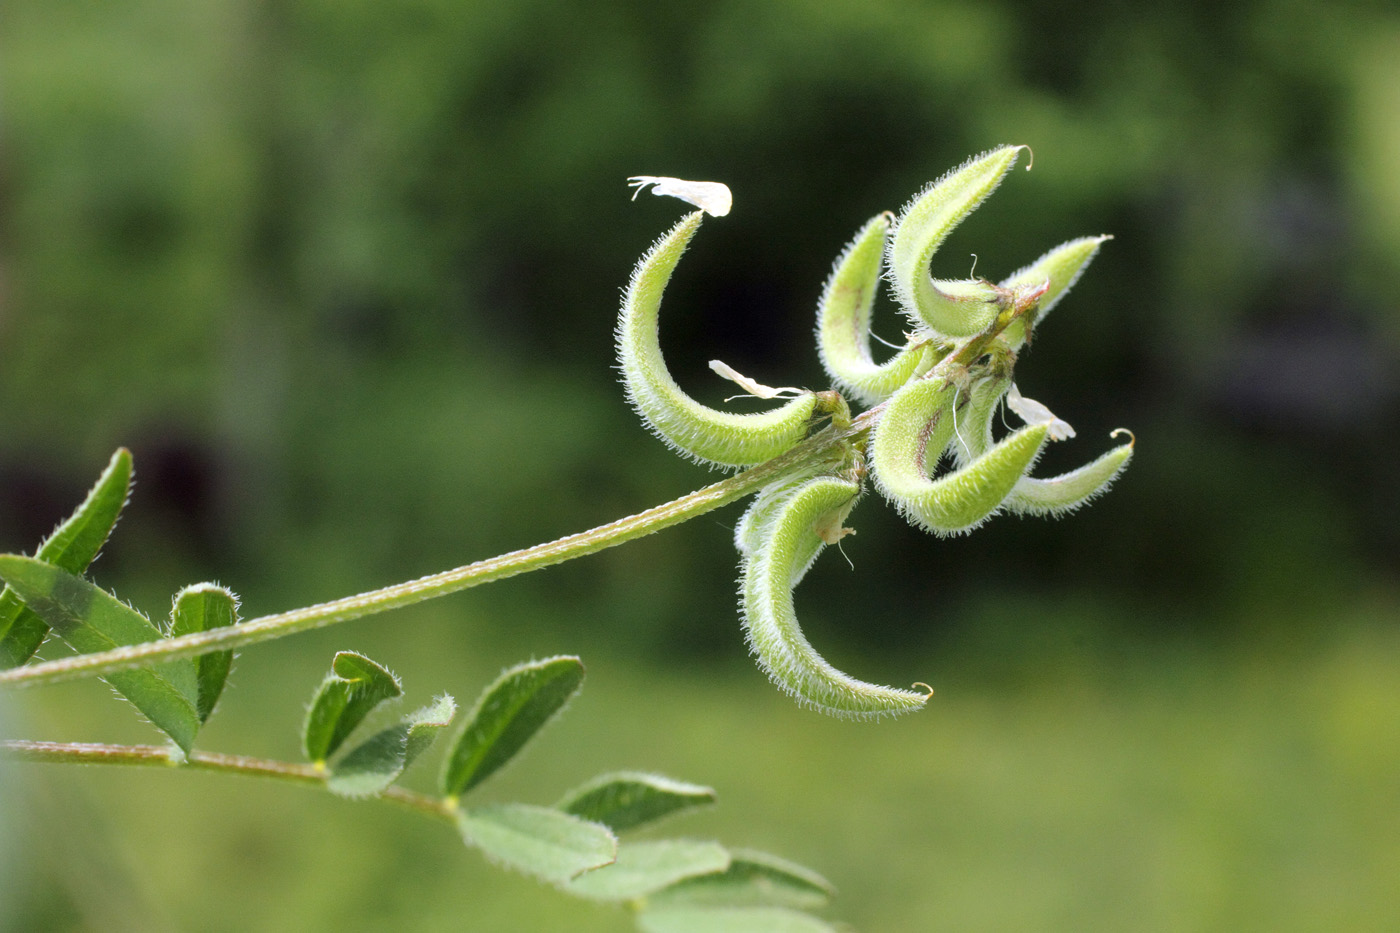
{"x": 926, "y": 438}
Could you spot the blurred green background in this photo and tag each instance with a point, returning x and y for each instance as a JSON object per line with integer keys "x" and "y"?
{"x": 343, "y": 276}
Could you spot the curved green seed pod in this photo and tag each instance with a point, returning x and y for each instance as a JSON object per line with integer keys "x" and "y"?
{"x": 756, "y": 525}
{"x": 807, "y": 517}
{"x": 955, "y": 308}
{"x": 843, "y": 322}
{"x": 694, "y": 429}
{"x": 1054, "y": 495}
{"x": 1061, "y": 267}
{"x": 912, "y": 433}
{"x": 1060, "y": 495}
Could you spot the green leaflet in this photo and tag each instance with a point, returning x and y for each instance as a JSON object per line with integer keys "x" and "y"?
{"x": 199, "y": 608}
{"x": 90, "y": 619}
{"x": 951, "y": 308}
{"x": 377, "y": 762}
{"x": 753, "y": 879}
{"x": 907, "y": 443}
{"x": 644, "y": 867}
{"x": 627, "y": 799}
{"x": 72, "y": 546}
{"x": 843, "y": 323}
{"x": 695, "y": 430}
{"x": 353, "y": 688}
{"x": 538, "y": 840}
{"x": 1061, "y": 267}
{"x": 809, "y": 515}
{"x": 1055, "y": 495}
{"x": 729, "y": 920}
{"x": 508, "y": 714}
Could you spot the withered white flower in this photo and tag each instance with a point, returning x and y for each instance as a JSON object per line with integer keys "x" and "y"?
{"x": 1034, "y": 413}
{"x": 712, "y": 197}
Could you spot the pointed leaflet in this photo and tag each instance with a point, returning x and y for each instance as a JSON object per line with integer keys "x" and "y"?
{"x": 93, "y": 620}
{"x": 1061, "y": 267}
{"x": 353, "y": 688}
{"x": 377, "y": 762}
{"x": 1054, "y": 495}
{"x": 72, "y": 546}
{"x": 628, "y": 799}
{"x": 507, "y": 716}
{"x": 644, "y": 867}
{"x": 696, "y": 430}
{"x": 753, "y": 879}
{"x": 952, "y": 308}
{"x": 200, "y": 608}
{"x": 905, "y": 447}
{"x": 843, "y": 323}
{"x": 808, "y": 516}
{"x": 729, "y": 920}
{"x": 538, "y": 840}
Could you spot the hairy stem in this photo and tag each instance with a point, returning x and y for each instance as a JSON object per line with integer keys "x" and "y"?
{"x": 831, "y": 443}
{"x": 159, "y": 756}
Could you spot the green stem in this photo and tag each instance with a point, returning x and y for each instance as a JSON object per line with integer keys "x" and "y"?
{"x": 830, "y": 443}
{"x": 282, "y": 624}
{"x": 159, "y": 756}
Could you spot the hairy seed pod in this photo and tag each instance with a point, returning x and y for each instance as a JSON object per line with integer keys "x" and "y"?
{"x": 796, "y": 522}
{"x": 1053, "y": 496}
{"x": 909, "y": 439}
{"x": 756, "y": 524}
{"x": 843, "y": 323}
{"x": 1061, "y": 267}
{"x": 953, "y": 308}
{"x": 696, "y": 430}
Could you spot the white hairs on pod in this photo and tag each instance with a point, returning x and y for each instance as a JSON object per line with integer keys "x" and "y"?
{"x": 1054, "y": 495}
{"x": 910, "y": 437}
{"x": 784, "y": 531}
{"x": 706, "y": 434}
{"x": 843, "y": 323}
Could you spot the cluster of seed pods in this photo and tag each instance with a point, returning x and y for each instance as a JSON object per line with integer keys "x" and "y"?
{"x": 935, "y": 400}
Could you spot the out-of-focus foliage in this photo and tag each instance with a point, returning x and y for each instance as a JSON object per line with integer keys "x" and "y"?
{"x": 293, "y": 249}
{"x": 313, "y": 261}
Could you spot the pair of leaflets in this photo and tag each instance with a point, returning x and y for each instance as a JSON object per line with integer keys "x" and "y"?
{"x": 46, "y": 594}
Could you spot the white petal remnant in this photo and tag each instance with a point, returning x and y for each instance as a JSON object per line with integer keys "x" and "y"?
{"x": 1034, "y": 413}
{"x": 712, "y": 197}
{"x": 753, "y": 386}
